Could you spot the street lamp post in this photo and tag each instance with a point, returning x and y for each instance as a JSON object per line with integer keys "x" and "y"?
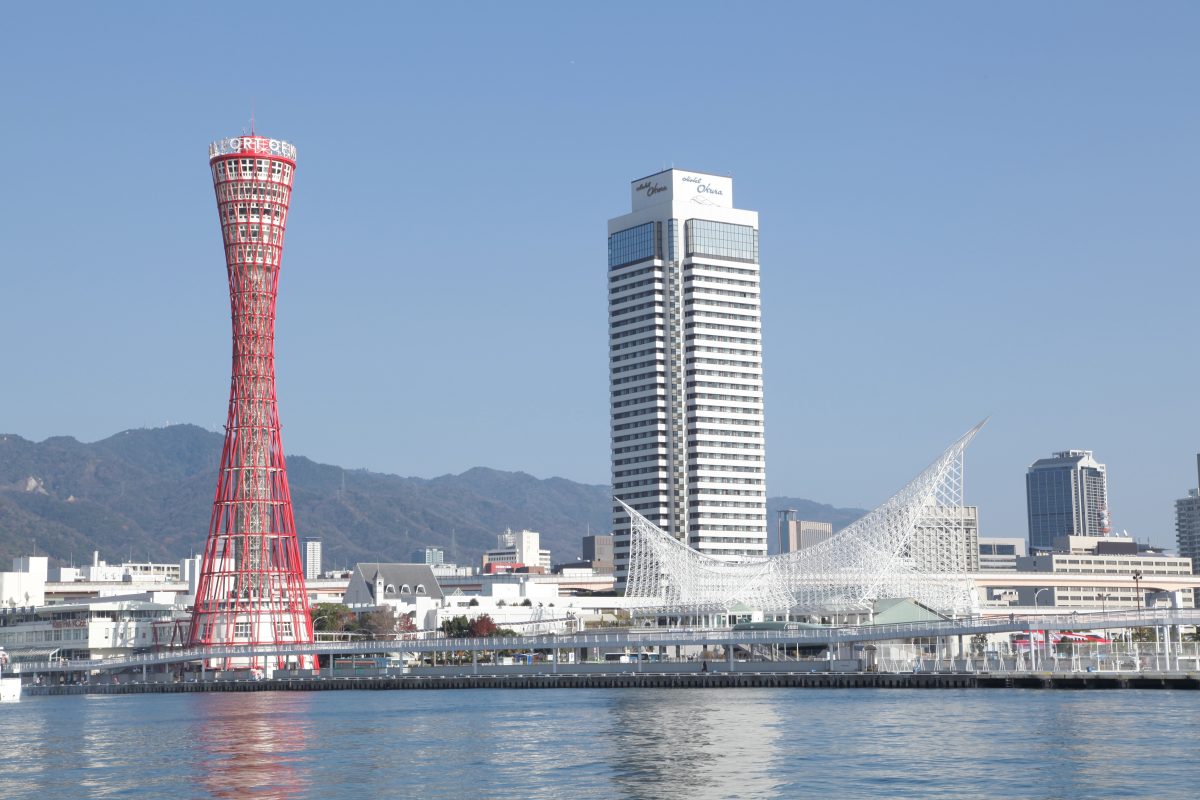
{"x": 1104, "y": 597}
{"x": 1137, "y": 591}
{"x": 1045, "y": 635}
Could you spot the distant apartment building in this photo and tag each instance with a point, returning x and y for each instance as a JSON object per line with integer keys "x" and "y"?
{"x": 798, "y": 534}
{"x": 100, "y": 571}
{"x": 428, "y": 555}
{"x": 312, "y": 559}
{"x": 517, "y": 548}
{"x": 1187, "y": 524}
{"x": 945, "y": 540}
{"x": 1000, "y": 553}
{"x": 1067, "y": 495}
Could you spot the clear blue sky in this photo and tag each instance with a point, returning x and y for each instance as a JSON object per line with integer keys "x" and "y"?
{"x": 966, "y": 209}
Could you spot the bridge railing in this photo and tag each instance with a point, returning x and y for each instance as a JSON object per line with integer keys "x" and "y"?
{"x": 435, "y": 641}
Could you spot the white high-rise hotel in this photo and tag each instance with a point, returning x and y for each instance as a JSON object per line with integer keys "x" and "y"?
{"x": 685, "y": 351}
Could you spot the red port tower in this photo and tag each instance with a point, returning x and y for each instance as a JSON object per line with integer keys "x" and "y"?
{"x": 251, "y": 587}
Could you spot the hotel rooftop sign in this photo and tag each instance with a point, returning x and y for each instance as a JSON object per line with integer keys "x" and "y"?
{"x": 681, "y": 186}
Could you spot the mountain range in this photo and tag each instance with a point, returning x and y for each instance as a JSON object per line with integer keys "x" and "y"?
{"x": 147, "y": 494}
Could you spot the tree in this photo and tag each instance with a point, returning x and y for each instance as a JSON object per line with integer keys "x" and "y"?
{"x": 407, "y": 623}
{"x": 1143, "y": 634}
{"x": 381, "y": 621}
{"x": 527, "y": 602}
{"x": 474, "y": 601}
{"x": 332, "y": 617}
{"x": 456, "y": 626}
{"x": 482, "y": 626}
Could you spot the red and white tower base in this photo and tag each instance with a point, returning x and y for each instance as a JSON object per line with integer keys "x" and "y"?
{"x": 251, "y": 588}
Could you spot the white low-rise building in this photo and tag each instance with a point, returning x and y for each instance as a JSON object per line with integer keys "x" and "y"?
{"x": 405, "y": 588}
{"x": 100, "y": 628}
{"x": 517, "y": 548}
{"x": 25, "y": 585}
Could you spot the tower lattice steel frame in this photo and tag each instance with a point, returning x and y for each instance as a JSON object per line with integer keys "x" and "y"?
{"x": 251, "y": 588}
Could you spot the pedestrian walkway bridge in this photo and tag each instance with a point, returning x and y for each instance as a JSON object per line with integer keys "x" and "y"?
{"x": 636, "y": 639}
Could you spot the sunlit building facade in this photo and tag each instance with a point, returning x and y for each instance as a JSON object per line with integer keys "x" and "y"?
{"x": 685, "y": 358}
{"x": 1067, "y": 495}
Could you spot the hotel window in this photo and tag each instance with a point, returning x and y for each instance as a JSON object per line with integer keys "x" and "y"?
{"x": 632, "y": 245}
{"x": 722, "y": 240}
{"x": 241, "y": 630}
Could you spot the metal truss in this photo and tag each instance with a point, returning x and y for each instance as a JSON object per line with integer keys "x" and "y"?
{"x": 863, "y": 562}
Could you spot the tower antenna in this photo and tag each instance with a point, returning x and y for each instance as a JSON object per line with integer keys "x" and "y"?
{"x": 252, "y": 116}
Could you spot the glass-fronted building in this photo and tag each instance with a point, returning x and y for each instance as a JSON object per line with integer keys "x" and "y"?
{"x": 1067, "y": 495}
{"x": 685, "y": 358}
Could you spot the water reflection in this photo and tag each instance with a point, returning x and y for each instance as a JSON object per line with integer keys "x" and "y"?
{"x": 253, "y": 745}
{"x": 710, "y": 743}
{"x": 635, "y": 743}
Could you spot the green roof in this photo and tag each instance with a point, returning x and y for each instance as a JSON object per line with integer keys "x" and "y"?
{"x": 892, "y": 610}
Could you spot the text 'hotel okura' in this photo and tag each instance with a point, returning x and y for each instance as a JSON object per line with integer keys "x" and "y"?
{"x": 685, "y": 341}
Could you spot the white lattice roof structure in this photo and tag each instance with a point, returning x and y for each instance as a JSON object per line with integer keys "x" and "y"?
{"x": 863, "y": 562}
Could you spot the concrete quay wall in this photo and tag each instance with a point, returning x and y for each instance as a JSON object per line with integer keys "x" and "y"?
{"x": 656, "y": 680}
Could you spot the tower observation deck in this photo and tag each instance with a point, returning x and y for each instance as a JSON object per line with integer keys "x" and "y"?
{"x": 251, "y": 588}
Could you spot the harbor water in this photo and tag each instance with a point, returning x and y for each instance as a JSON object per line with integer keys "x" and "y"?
{"x": 630, "y": 743}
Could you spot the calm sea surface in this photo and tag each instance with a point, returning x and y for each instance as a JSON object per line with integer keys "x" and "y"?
{"x": 605, "y": 743}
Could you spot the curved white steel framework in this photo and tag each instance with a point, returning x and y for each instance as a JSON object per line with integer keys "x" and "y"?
{"x": 863, "y": 562}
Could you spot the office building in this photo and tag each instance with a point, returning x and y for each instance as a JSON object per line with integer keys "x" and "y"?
{"x": 1000, "y": 553}
{"x": 685, "y": 359}
{"x": 1106, "y": 556}
{"x": 1187, "y": 524}
{"x": 598, "y": 551}
{"x": 798, "y": 534}
{"x": 1067, "y": 495}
